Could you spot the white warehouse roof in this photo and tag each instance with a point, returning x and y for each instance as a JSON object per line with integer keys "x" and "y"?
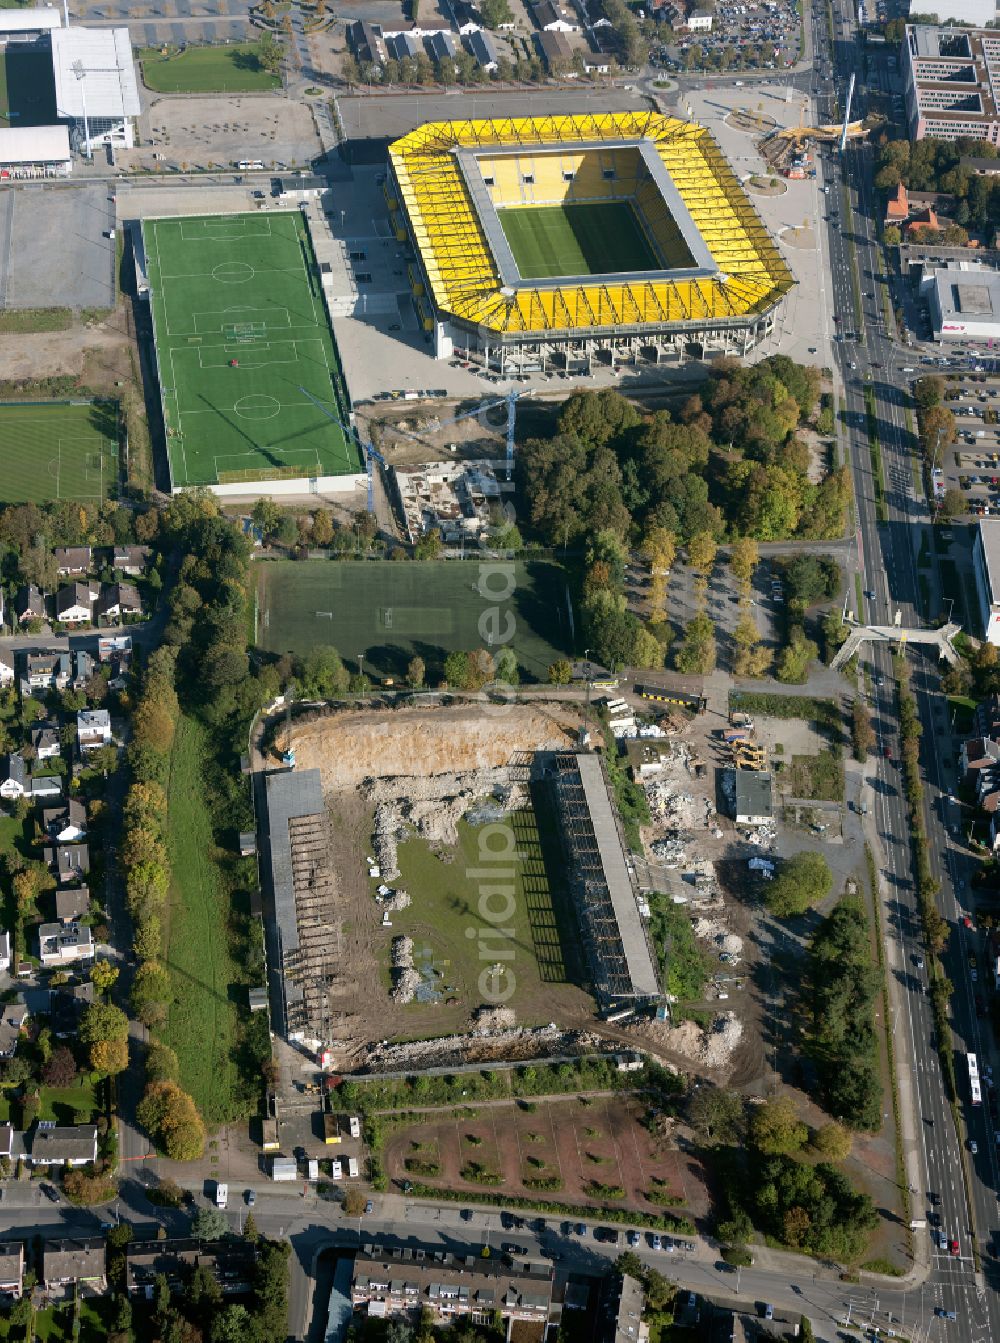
{"x": 34, "y": 144}
{"x": 30, "y": 20}
{"x": 104, "y": 55}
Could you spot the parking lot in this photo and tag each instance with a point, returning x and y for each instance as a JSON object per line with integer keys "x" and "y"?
{"x": 764, "y": 36}
{"x": 59, "y": 248}
{"x": 972, "y": 463}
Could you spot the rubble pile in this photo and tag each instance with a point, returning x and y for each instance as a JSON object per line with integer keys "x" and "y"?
{"x": 712, "y": 1047}
{"x": 721, "y": 1040}
{"x": 405, "y": 979}
{"x": 725, "y": 942}
{"x": 512, "y": 1045}
{"x": 490, "y": 1020}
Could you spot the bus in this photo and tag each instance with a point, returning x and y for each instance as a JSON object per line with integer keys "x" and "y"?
{"x": 975, "y": 1090}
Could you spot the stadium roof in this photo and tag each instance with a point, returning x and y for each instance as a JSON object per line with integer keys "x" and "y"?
{"x": 747, "y": 273}
{"x": 34, "y": 144}
{"x": 104, "y": 56}
{"x": 30, "y": 20}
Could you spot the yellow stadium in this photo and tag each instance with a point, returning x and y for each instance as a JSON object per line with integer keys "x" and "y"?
{"x": 577, "y": 233}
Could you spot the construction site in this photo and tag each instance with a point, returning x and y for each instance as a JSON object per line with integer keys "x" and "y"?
{"x": 470, "y": 895}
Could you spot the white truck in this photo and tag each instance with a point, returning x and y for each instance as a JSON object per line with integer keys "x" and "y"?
{"x": 221, "y": 1195}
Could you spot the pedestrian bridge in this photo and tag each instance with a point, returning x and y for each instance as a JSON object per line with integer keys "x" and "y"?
{"x": 942, "y": 637}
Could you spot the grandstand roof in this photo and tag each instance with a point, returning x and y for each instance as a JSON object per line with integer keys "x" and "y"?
{"x": 34, "y": 144}
{"x": 30, "y": 20}
{"x": 743, "y": 276}
{"x": 103, "y": 56}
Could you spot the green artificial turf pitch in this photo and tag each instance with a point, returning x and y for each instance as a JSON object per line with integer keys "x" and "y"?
{"x": 390, "y": 612}
{"x": 60, "y": 451}
{"x": 240, "y": 331}
{"x": 593, "y": 239}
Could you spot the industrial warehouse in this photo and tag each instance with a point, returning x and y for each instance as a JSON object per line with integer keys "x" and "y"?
{"x": 580, "y": 233}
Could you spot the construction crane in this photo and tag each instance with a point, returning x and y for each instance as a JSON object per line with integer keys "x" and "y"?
{"x": 510, "y": 400}
{"x": 371, "y": 453}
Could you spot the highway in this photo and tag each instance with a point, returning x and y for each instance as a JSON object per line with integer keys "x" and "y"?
{"x": 887, "y": 553}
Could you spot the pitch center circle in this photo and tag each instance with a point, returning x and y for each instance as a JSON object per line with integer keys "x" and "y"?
{"x": 257, "y": 407}
{"x": 233, "y": 272}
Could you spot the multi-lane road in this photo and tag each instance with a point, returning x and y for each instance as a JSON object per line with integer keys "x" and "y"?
{"x": 887, "y": 556}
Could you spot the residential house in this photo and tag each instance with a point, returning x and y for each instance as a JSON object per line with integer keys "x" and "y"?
{"x": 897, "y": 207}
{"x": 6, "y": 669}
{"x": 552, "y": 17}
{"x": 596, "y": 64}
{"x": 48, "y": 670}
{"x": 93, "y": 729}
{"x": 467, "y": 18}
{"x": 988, "y": 790}
{"x": 68, "y": 1263}
{"x": 483, "y": 49}
{"x": 4, "y": 952}
{"x": 72, "y": 903}
{"x": 112, "y": 645}
{"x": 3, "y": 606}
{"x": 130, "y": 560}
{"x": 923, "y": 219}
{"x": 14, "y": 783}
{"x": 403, "y": 45}
{"x": 66, "y": 1008}
{"x": 394, "y": 1283}
{"x": 44, "y": 738}
{"x": 620, "y": 1311}
{"x": 230, "y": 1262}
{"x": 29, "y": 604}
{"x": 66, "y": 823}
{"x": 367, "y": 42}
{"x": 13, "y": 1016}
{"x": 71, "y": 1145}
{"x": 121, "y": 665}
{"x": 83, "y": 667}
{"x": 74, "y": 604}
{"x": 46, "y": 787}
{"x": 69, "y": 862}
{"x": 986, "y": 719}
{"x": 700, "y": 21}
{"x": 978, "y": 753}
{"x": 442, "y": 46}
{"x": 11, "y": 1267}
{"x": 73, "y": 560}
{"x": 64, "y": 943}
{"x": 556, "y": 52}
{"x": 118, "y": 600}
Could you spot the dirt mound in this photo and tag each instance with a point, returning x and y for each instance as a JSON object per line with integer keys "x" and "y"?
{"x": 349, "y": 747}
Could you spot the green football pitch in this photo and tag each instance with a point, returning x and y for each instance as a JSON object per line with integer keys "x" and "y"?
{"x": 389, "y": 612}
{"x": 241, "y": 338}
{"x": 58, "y": 451}
{"x": 591, "y": 239}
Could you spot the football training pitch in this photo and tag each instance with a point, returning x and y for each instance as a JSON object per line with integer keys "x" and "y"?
{"x": 241, "y": 337}
{"x": 390, "y": 612}
{"x": 58, "y": 451}
{"x": 591, "y": 239}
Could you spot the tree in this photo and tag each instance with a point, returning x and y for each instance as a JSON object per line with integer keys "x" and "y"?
{"x": 354, "y": 1203}
{"x": 744, "y": 557}
{"x": 250, "y": 1231}
{"x": 210, "y": 1224}
{"x": 954, "y": 503}
{"x": 265, "y": 513}
{"x": 928, "y": 391}
{"x": 416, "y": 672}
{"x": 862, "y": 733}
{"x": 103, "y": 976}
{"x": 429, "y": 546}
{"x": 322, "y": 674}
{"x": 103, "y": 1021}
{"x": 170, "y": 1115}
{"x": 695, "y": 654}
{"x": 832, "y": 1142}
{"x": 750, "y": 656}
{"x": 795, "y": 657}
{"x": 716, "y": 1115}
{"x": 109, "y": 1057}
{"x": 232, "y": 1325}
{"x": 801, "y": 881}
{"x": 775, "y": 1128}
{"x": 702, "y": 550}
{"x": 659, "y": 549}
{"x": 891, "y": 236}
{"x": 270, "y": 54}
{"x": 322, "y": 528}
{"x": 495, "y": 13}
{"x": 60, "y": 1069}
{"x": 560, "y": 672}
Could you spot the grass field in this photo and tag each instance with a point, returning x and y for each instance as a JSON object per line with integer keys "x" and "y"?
{"x": 27, "y": 88}
{"x": 201, "y": 1021}
{"x": 390, "y": 611}
{"x": 242, "y": 341}
{"x": 58, "y": 451}
{"x": 212, "y": 69}
{"x": 454, "y": 944}
{"x": 593, "y": 239}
